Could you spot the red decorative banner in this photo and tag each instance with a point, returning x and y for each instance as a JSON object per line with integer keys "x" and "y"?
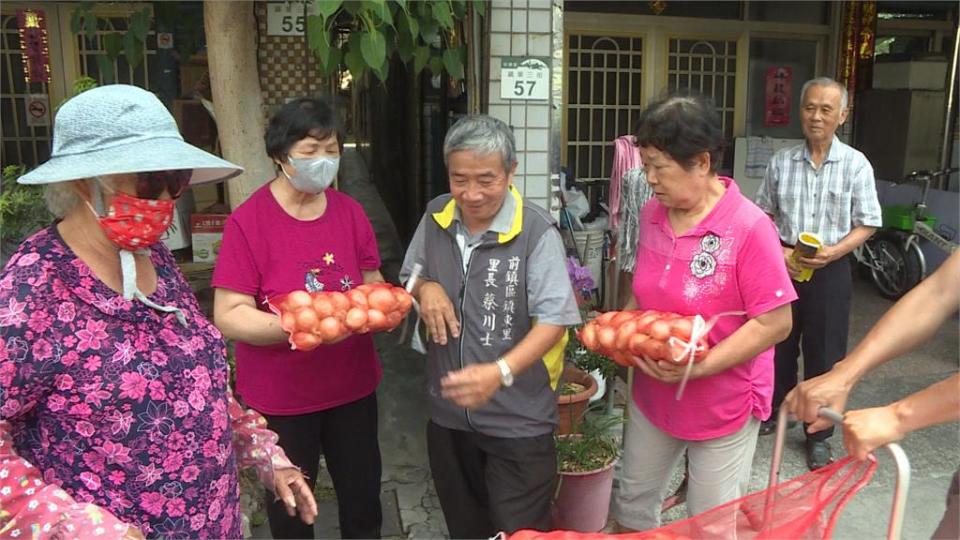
{"x": 857, "y": 41}
{"x": 776, "y": 110}
{"x": 32, "y": 24}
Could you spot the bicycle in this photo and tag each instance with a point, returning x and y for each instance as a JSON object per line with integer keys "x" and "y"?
{"x": 892, "y": 257}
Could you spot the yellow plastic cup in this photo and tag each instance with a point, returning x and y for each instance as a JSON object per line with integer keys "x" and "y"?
{"x": 807, "y": 246}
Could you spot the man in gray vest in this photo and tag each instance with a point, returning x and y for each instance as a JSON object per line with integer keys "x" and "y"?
{"x": 496, "y": 300}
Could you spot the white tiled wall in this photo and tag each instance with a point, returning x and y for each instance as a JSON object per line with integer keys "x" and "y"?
{"x": 520, "y": 28}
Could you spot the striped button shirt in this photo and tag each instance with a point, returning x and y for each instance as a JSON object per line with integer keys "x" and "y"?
{"x": 829, "y": 201}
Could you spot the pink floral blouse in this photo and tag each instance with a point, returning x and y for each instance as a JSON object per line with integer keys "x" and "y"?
{"x": 112, "y": 413}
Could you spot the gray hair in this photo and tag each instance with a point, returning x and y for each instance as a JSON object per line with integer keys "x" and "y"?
{"x": 826, "y": 81}
{"x": 483, "y": 135}
{"x": 61, "y": 198}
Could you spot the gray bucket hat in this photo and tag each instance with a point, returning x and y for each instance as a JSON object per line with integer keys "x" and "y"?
{"x": 118, "y": 129}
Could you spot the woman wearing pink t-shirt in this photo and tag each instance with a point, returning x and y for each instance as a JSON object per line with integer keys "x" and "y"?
{"x": 295, "y": 233}
{"x": 704, "y": 249}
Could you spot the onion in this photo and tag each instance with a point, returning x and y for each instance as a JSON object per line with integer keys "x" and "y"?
{"x": 356, "y": 319}
{"x": 305, "y": 341}
{"x": 329, "y": 329}
{"x": 382, "y": 300}
{"x": 306, "y": 319}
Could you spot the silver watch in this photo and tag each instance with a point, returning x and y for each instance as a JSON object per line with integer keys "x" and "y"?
{"x": 506, "y": 376}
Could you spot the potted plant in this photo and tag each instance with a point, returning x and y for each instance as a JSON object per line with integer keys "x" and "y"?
{"x": 585, "y": 462}
{"x": 586, "y": 372}
{"x": 576, "y": 389}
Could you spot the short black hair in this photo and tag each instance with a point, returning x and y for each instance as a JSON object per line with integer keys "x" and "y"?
{"x": 298, "y": 119}
{"x": 683, "y": 126}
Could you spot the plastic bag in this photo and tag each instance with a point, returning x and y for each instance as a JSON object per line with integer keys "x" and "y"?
{"x": 806, "y": 507}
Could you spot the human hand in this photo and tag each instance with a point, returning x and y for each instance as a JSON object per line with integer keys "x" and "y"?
{"x": 824, "y": 256}
{"x": 865, "y": 430}
{"x": 437, "y": 312}
{"x": 792, "y": 268}
{"x": 828, "y": 390}
{"x": 291, "y": 488}
{"x": 472, "y": 386}
{"x": 667, "y": 372}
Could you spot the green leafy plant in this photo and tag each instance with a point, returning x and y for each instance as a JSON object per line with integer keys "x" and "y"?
{"x": 22, "y": 208}
{"x": 79, "y": 86}
{"x": 594, "y": 447}
{"x": 587, "y": 360}
{"x": 131, "y": 42}
{"x": 424, "y": 33}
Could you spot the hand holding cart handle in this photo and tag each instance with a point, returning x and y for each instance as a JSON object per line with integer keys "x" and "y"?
{"x": 899, "y": 456}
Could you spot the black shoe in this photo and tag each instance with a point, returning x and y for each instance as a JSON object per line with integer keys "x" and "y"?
{"x": 818, "y": 454}
{"x": 769, "y": 427}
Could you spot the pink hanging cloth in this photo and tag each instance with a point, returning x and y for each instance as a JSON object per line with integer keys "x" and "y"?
{"x": 626, "y": 156}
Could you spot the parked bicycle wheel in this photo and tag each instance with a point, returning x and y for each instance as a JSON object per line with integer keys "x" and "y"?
{"x": 897, "y": 270}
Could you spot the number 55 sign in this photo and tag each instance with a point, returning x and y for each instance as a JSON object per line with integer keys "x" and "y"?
{"x": 524, "y": 77}
{"x": 285, "y": 18}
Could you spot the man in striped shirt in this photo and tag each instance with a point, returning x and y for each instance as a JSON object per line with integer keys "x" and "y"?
{"x": 824, "y": 187}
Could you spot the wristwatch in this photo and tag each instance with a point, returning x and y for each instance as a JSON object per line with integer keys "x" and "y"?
{"x": 506, "y": 376}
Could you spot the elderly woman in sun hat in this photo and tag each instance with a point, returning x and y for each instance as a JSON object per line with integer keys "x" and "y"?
{"x": 115, "y": 414}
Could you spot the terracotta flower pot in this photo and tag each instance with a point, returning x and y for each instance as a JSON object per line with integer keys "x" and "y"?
{"x": 572, "y": 406}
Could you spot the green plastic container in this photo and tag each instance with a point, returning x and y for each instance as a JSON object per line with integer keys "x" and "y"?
{"x": 900, "y": 217}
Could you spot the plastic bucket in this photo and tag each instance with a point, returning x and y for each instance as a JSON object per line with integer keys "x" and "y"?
{"x": 590, "y": 249}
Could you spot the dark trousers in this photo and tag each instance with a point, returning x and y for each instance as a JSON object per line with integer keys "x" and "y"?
{"x": 347, "y": 435}
{"x": 821, "y": 321}
{"x": 492, "y": 484}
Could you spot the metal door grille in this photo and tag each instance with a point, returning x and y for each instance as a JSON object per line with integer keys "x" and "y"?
{"x": 90, "y": 47}
{"x": 22, "y": 144}
{"x": 707, "y": 67}
{"x": 604, "y": 82}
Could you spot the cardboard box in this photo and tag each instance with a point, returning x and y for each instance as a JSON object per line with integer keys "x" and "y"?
{"x": 176, "y": 236}
{"x": 207, "y": 233}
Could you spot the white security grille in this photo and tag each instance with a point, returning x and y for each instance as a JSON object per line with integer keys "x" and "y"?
{"x": 22, "y": 144}
{"x": 91, "y": 46}
{"x": 708, "y": 67}
{"x": 604, "y": 83}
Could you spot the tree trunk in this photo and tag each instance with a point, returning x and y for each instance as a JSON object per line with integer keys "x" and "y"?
{"x": 231, "y": 33}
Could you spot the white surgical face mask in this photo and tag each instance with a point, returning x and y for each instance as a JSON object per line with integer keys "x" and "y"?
{"x": 313, "y": 175}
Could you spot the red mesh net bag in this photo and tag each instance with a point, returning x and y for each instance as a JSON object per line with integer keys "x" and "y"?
{"x": 806, "y": 507}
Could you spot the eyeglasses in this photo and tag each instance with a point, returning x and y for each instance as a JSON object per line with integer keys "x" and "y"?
{"x": 151, "y": 185}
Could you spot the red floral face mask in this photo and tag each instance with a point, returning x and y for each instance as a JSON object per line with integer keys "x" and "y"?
{"x": 133, "y": 223}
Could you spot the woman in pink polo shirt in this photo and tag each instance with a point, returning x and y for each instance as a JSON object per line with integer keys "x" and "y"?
{"x": 704, "y": 249}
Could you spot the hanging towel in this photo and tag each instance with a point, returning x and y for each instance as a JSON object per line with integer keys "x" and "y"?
{"x": 759, "y": 152}
{"x": 636, "y": 192}
{"x": 626, "y": 156}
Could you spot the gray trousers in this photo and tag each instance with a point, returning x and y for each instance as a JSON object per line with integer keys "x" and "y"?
{"x": 719, "y": 470}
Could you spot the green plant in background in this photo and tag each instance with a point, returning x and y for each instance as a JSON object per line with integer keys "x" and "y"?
{"x": 587, "y": 360}
{"x": 595, "y": 447}
{"x": 425, "y": 33}
{"x": 131, "y": 42}
{"x": 79, "y": 86}
{"x": 22, "y": 208}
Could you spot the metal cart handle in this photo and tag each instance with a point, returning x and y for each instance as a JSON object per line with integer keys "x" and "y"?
{"x": 899, "y": 456}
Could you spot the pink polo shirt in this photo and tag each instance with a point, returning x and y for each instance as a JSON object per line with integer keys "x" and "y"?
{"x": 730, "y": 261}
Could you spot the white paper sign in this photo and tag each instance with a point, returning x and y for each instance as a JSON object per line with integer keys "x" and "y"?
{"x": 525, "y": 77}
{"x": 286, "y": 18}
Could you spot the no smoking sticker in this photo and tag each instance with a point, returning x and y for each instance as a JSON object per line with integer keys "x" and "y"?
{"x": 38, "y": 110}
